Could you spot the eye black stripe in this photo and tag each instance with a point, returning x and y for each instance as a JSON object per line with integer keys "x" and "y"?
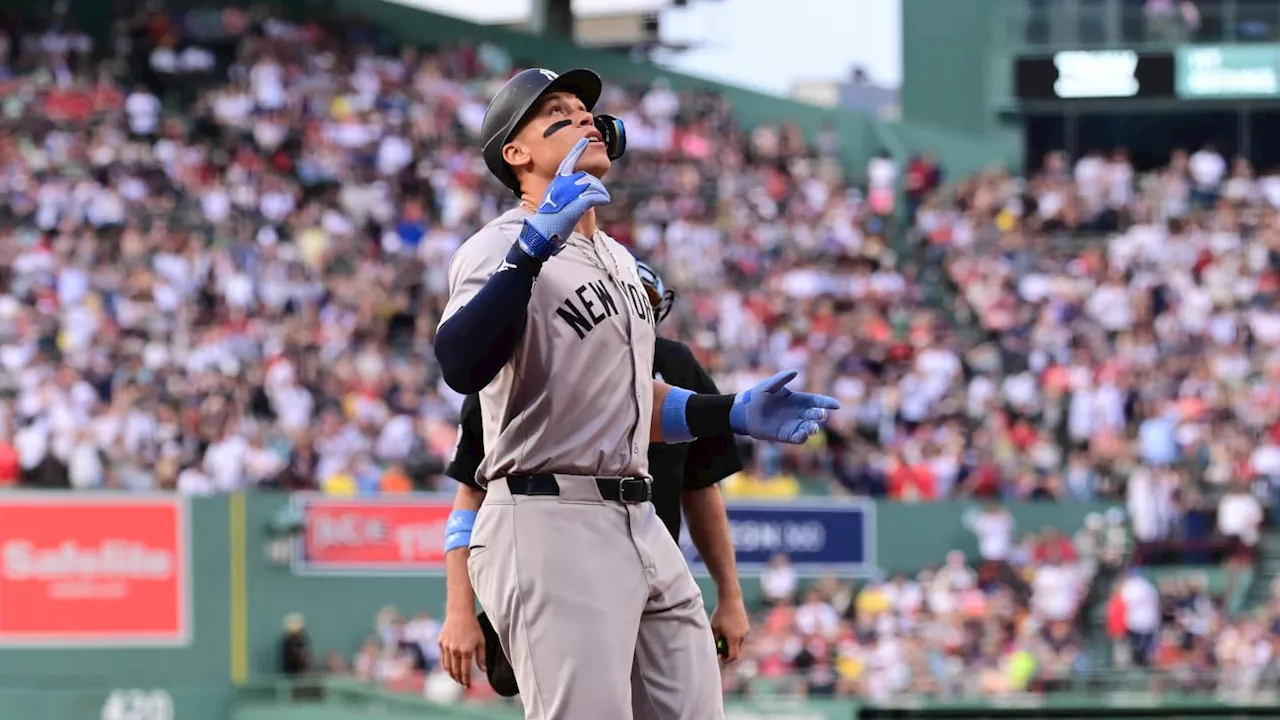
{"x": 556, "y": 127}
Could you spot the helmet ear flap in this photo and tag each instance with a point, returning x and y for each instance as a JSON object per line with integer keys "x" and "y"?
{"x": 614, "y": 134}
{"x": 664, "y": 306}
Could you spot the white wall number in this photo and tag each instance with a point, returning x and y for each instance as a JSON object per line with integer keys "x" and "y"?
{"x": 138, "y": 705}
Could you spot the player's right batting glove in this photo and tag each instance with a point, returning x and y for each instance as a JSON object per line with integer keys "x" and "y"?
{"x": 571, "y": 194}
{"x": 771, "y": 411}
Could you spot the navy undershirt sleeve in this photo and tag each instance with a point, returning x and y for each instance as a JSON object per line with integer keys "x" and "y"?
{"x": 481, "y": 336}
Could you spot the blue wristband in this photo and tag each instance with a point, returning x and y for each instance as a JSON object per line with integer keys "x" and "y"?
{"x": 674, "y": 422}
{"x": 457, "y": 531}
{"x": 738, "y": 415}
{"x": 535, "y": 244}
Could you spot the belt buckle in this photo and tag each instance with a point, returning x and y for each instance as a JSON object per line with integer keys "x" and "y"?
{"x": 634, "y": 490}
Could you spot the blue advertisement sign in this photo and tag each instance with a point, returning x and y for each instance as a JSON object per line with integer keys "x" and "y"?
{"x": 836, "y": 537}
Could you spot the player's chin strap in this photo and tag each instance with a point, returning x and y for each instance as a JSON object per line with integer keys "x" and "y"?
{"x": 457, "y": 531}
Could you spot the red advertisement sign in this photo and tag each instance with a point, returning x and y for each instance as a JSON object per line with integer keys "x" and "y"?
{"x": 395, "y": 535}
{"x": 93, "y": 571}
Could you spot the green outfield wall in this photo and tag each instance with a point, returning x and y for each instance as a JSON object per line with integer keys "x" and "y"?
{"x": 154, "y": 607}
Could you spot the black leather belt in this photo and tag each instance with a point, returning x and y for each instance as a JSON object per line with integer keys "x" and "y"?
{"x": 628, "y": 490}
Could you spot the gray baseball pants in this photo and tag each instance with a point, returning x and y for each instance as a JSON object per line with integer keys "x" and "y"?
{"x": 595, "y": 606}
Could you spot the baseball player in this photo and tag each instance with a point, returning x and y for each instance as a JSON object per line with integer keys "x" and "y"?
{"x": 548, "y": 322}
{"x": 683, "y": 474}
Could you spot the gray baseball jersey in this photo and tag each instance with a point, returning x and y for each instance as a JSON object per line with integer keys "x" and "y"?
{"x": 577, "y": 394}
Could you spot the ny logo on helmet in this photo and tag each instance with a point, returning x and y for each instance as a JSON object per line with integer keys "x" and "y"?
{"x": 548, "y": 74}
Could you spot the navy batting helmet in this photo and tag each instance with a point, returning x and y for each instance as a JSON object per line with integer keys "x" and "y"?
{"x": 659, "y": 295}
{"x": 518, "y": 97}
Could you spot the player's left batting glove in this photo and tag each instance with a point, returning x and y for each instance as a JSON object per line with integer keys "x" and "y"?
{"x": 769, "y": 411}
{"x": 571, "y": 194}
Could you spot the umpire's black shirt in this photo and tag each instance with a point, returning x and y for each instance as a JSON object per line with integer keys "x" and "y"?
{"x": 690, "y": 466}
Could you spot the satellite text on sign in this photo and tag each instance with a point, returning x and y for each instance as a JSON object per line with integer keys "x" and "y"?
{"x": 1229, "y": 71}
{"x": 93, "y": 570}
{"x": 838, "y": 537}
{"x": 404, "y": 535}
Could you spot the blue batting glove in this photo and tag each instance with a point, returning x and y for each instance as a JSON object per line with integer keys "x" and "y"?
{"x": 769, "y": 411}
{"x": 571, "y": 194}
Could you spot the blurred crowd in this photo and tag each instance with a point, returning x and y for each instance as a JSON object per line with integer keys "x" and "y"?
{"x": 224, "y": 243}
{"x": 227, "y": 238}
{"x": 1118, "y": 336}
{"x": 1032, "y": 613}
{"x": 1185, "y": 636}
{"x": 1127, "y": 338}
{"x": 1017, "y": 621}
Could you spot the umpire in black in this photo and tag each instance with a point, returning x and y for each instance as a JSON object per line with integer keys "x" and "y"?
{"x": 684, "y": 477}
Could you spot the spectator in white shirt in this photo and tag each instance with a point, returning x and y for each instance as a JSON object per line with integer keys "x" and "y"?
{"x": 32, "y": 443}
{"x": 84, "y": 466}
{"x": 1141, "y": 615}
{"x": 143, "y": 111}
{"x": 994, "y": 528}
{"x": 1207, "y": 169}
{"x": 1240, "y": 523}
{"x": 815, "y": 616}
{"x": 224, "y": 462}
{"x": 1056, "y": 589}
{"x": 956, "y": 575}
{"x": 192, "y": 481}
{"x": 261, "y": 464}
{"x": 778, "y": 581}
{"x": 1148, "y": 505}
{"x": 882, "y": 177}
{"x": 1240, "y": 514}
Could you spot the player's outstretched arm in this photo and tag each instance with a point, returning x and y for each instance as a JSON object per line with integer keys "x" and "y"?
{"x": 461, "y": 639}
{"x": 769, "y": 411}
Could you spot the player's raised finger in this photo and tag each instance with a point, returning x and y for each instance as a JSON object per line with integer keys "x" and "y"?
{"x": 569, "y": 165}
